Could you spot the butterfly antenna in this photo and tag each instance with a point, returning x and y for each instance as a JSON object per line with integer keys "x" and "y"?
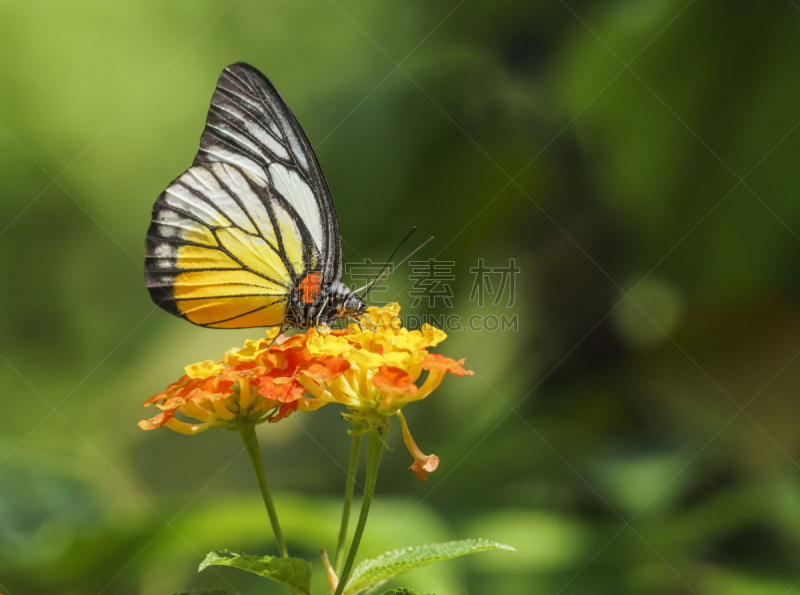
{"x": 413, "y": 229}
{"x": 384, "y": 271}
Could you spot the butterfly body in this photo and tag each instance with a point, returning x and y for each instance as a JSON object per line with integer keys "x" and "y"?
{"x": 248, "y": 236}
{"x": 310, "y": 307}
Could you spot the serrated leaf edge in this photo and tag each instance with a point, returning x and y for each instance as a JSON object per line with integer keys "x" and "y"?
{"x": 217, "y": 558}
{"x": 480, "y": 544}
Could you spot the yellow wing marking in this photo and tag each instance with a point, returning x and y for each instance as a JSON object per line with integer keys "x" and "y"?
{"x": 197, "y": 257}
{"x": 240, "y": 312}
{"x": 292, "y": 241}
{"x": 254, "y": 254}
{"x": 218, "y": 284}
{"x": 269, "y": 316}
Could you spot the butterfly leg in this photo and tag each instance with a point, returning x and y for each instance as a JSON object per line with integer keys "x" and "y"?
{"x": 321, "y": 310}
{"x": 275, "y": 338}
{"x": 358, "y": 322}
{"x": 370, "y": 325}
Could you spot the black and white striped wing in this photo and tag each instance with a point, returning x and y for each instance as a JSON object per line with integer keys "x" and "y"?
{"x": 250, "y": 126}
{"x": 252, "y": 219}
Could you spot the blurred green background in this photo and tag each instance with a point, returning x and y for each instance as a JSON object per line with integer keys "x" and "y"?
{"x": 638, "y": 433}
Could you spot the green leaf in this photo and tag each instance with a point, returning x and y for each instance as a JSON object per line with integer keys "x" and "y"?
{"x": 291, "y": 572}
{"x": 205, "y": 592}
{"x": 397, "y": 562}
{"x": 372, "y": 589}
{"x": 404, "y": 591}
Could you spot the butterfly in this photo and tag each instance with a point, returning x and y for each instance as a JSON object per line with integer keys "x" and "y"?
{"x": 248, "y": 236}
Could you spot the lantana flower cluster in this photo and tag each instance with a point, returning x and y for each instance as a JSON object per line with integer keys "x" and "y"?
{"x": 373, "y": 369}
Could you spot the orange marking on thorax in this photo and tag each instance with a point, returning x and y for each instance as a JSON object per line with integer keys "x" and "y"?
{"x": 310, "y": 287}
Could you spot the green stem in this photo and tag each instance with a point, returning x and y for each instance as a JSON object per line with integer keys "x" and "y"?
{"x": 248, "y": 434}
{"x": 348, "y": 498}
{"x": 374, "y": 451}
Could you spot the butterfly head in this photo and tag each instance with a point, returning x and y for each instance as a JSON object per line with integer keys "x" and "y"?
{"x": 348, "y": 303}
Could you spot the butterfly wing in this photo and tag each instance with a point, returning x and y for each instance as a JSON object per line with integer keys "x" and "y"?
{"x": 249, "y": 125}
{"x": 232, "y": 236}
{"x": 224, "y": 249}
